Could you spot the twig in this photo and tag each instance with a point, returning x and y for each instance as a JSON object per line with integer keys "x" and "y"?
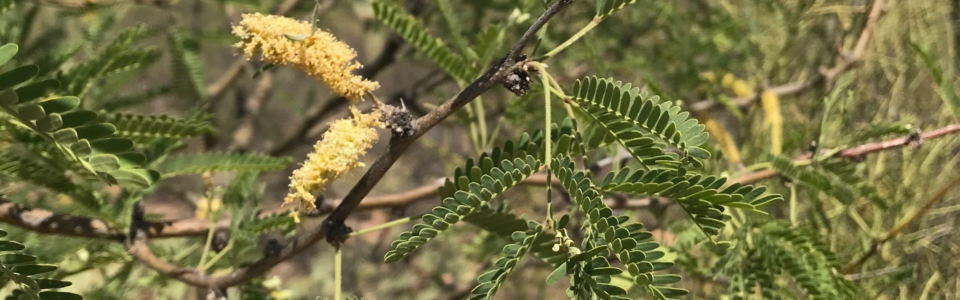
{"x": 216, "y": 90}
{"x": 850, "y": 59}
{"x": 219, "y": 86}
{"x": 48, "y": 222}
{"x": 828, "y": 76}
{"x": 857, "y": 152}
{"x": 243, "y": 135}
{"x": 896, "y": 230}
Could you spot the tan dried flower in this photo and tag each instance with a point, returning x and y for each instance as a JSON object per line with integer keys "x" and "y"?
{"x": 286, "y": 41}
{"x": 336, "y": 154}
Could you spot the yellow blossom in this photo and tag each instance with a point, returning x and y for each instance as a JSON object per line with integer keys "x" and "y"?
{"x": 286, "y": 41}
{"x": 336, "y": 154}
{"x": 296, "y": 217}
{"x": 773, "y": 118}
{"x": 727, "y": 80}
{"x": 708, "y": 76}
{"x": 741, "y": 89}
{"x": 723, "y": 139}
{"x": 205, "y": 207}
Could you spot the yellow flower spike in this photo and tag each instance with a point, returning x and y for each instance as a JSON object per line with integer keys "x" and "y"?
{"x": 773, "y": 118}
{"x": 296, "y": 217}
{"x": 336, "y": 154}
{"x": 727, "y": 80}
{"x": 723, "y": 139}
{"x": 285, "y": 41}
{"x": 206, "y": 207}
{"x": 741, "y": 89}
{"x": 708, "y": 76}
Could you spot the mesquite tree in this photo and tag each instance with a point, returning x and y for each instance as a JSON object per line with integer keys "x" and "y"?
{"x": 607, "y": 149}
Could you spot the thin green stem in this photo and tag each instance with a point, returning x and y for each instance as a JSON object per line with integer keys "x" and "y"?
{"x": 556, "y": 89}
{"x": 213, "y": 227}
{"x": 550, "y": 219}
{"x": 385, "y": 225}
{"x": 338, "y": 270}
{"x": 793, "y": 205}
{"x": 572, "y": 39}
{"x": 217, "y": 257}
{"x": 474, "y": 133}
{"x": 753, "y": 168}
{"x": 548, "y": 140}
{"x": 481, "y": 121}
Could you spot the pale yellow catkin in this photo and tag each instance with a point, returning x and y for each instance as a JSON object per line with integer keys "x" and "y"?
{"x": 336, "y": 154}
{"x": 722, "y": 138}
{"x": 285, "y": 41}
{"x": 727, "y": 80}
{"x": 741, "y": 89}
{"x": 708, "y": 76}
{"x": 773, "y": 120}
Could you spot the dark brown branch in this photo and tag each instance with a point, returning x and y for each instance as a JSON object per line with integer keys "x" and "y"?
{"x": 848, "y": 60}
{"x": 48, "y": 222}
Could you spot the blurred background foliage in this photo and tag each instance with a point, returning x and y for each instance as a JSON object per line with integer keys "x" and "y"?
{"x": 185, "y": 66}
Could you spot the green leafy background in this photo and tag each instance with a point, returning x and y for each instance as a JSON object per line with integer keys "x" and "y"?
{"x": 106, "y": 104}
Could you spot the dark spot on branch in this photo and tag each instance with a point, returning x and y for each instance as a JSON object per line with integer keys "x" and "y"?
{"x": 915, "y": 139}
{"x": 272, "y": 249}
{"x": 337, "y": 233}
{"x": 221, "y": 237}
{"x": 518, "y": 82}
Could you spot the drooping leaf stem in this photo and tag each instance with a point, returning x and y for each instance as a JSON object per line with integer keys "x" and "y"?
{"x": 338, "y": 273}
{"x": 386, "y": 225}
{"x": 548, "y": 141}
{"x": 555, "y": 88}
{"x": 217, "y": 257}
{"x": 213, "y": 216}
{"x": 793, "y": 205}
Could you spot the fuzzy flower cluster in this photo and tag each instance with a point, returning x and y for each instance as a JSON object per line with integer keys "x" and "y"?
{"x": 286, "y": 41}
{"x": 336, "y": 154}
